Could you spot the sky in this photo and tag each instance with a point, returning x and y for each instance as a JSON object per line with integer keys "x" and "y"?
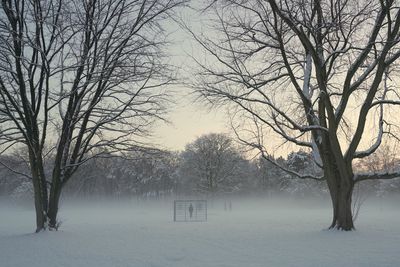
{"x": 188, "y": 121}
{"x": 189, "y": 118}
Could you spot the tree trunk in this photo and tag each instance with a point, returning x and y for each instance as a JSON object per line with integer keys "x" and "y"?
{"x": 341, "y": 197}
{"x": 40, "y": 193}
{"x": 340, "y": 184}
{"x": 39, "y": 209}
{"x": 53, "y": 210}
{"x": 54, "y": 199}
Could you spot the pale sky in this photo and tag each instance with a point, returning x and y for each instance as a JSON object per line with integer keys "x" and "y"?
{"x": 189, "y": 119}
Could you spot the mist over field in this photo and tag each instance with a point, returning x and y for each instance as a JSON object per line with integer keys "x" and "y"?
{"x": 276, "y": 231}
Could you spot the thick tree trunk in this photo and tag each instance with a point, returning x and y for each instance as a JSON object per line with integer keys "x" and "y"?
{"x": 54, "y": 199}
{"x": 53, "y": 209}
{"x": 344, "y": 218}
{"x": 340, "y": 184}
{"x": 341, "y": 197}
{"x": 40, "y": 192}
{"x": 39, "y": 209}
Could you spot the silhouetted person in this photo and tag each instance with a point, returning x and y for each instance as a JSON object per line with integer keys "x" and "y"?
{"x": 191, "y": 210}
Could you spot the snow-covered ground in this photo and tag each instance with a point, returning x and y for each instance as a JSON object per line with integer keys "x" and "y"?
{"x": 255, "y": 233}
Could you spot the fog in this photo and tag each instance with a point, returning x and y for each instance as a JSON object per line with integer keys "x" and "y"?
{"x": 267, "y": 231}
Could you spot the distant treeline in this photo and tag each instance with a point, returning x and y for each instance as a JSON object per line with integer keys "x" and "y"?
{"x": 212, "y": 165}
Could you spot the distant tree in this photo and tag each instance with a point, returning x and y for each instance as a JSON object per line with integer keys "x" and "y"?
{"x": 271, "y": 179}
{"x": 212, "y": 164}
{"x": 303, "y": 163}
{"x": 12, "y": 173}
{"x": 318, "y": 74}
{"x": 148, "y": 173}
{"x": 76, "y": 76}
{"x": 155, "y": 174}
{"x": 385, "y": 159}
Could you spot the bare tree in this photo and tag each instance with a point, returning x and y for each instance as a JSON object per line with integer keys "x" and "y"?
{"x": 79, "y": 77}
{"x": 211, "y": 164}
{"x": 316, "y": 73}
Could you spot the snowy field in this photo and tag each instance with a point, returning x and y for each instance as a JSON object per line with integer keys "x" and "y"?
{"x": 255, "y": 233}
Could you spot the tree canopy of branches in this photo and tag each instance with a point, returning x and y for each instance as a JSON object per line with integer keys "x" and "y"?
{"x": 76, "y": 78}
{"x": 212, "y": 164}
{"x": 319, "y": 74}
